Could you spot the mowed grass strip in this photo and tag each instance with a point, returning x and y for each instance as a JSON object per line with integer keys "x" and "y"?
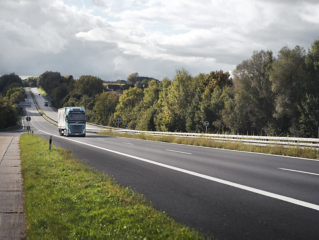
{"x": 66, "y": 199}
{"x": 42, "y": 92}
{"x": 239, "y": 146}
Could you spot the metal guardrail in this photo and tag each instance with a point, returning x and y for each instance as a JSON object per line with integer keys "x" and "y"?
{"x": 255, "y": 140}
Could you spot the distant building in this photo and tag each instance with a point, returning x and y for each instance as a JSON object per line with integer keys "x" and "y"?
{"x": 113, "y": 87}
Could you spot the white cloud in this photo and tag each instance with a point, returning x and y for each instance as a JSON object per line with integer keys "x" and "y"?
{"x": 310, "y": 13}
{"x": 111, "y": 38}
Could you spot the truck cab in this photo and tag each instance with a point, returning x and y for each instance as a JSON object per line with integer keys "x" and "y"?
{"x": 72, "y": 121}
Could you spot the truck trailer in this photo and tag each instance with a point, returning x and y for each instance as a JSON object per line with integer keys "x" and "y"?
{"x": 71, "y": 121}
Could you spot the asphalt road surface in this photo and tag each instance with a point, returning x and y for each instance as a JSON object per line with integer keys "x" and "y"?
{"x": 227, "y": 194}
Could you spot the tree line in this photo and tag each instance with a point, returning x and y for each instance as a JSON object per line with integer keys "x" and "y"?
{"x": 11, "y": 93}
{"x": 265, "y": 95}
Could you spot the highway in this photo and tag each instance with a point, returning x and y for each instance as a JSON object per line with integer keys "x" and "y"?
{"x": 228, "y": 194}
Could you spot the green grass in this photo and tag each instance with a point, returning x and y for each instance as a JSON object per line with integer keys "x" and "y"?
{"x": 205, "y": 142}
{"x": 66, "y": 199}
{"x": 115, "y": 83}
{"x": 42, "y": 92}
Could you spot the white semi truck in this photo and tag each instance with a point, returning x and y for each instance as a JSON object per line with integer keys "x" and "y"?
{"x": 71, "y": 121}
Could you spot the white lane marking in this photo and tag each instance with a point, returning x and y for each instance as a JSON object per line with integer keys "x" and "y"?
{"x": 128, "y": 143}
{"x": 177, "y": 151}
{"x": 228, "y": 183}
{"x": 291, "y": 170}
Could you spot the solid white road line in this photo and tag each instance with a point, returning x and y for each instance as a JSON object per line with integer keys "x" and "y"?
{"x": 291, "y": 170}
{"x": 228, "y": 183}
{"x": 177, "y": 151}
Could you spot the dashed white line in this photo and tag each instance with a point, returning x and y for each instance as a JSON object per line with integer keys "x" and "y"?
{"x": 291, "y": 170}
{"x": 128, "y": 143}
{"x": 178, "y": 151}
{"x": 213, "y": 179}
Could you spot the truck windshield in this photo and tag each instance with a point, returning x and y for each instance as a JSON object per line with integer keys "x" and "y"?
{"x": 77, "y": 116}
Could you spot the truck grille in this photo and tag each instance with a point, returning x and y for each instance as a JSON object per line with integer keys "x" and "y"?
{"x": 76, "y": 128}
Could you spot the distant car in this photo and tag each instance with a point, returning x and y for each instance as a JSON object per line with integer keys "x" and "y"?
{"x": 46, "y": 104}
{"x": 39, "y": 94}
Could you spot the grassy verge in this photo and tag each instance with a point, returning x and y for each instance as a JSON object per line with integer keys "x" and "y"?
{"x": 42, "y": 92}
{"x": 65, "y": 198}
{"x": 48, "y": 119}
{"x": 205, "y": 142}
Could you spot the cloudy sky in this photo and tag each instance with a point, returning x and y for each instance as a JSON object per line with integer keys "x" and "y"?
{"x": 114, "y": 38}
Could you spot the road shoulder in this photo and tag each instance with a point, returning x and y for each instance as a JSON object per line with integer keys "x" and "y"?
{"x": 12, "y": 218}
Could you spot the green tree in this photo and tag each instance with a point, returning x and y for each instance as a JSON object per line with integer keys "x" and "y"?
{"x": 194, "y": 117}
{"x": 219, "y": 99}
{"x": 309, "y": 108}
{"x": 104, "y": 107}
{"x": 22, "y": 95}
{"x": 174, "y": 101}
{"x": 49, "y": 81}
{"x": 288, "y": 77}
{"x": 9, "y": 113}
{"x": 215, "y": 79}
{"x": 31, "y": 82}
{"x": 253, "y": 97}
{"x": 58, "y": 94}
{"x": 8, "y": 81}
{"x": 127, "y": 109}
{"x": 17, "y": 97}
{"x": 146, "y": 109}
{"x": 213, "y": 88}
{"x": 132, "y": 78}
{"x": 89, "y": 85}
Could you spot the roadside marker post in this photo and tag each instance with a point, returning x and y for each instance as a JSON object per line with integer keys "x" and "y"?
{"x": 28, "y": 127}
{"x": 206, "y": 124}
{"x": 50, "y": 142}
{"x": 118, "y": 120}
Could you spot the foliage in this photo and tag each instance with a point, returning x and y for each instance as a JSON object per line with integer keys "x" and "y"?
{"x": 135, "y": 80}
{"x": 104, "y": 107}
{"x": 128, "y": 106}
{"x": 253, "y": 98}
{"x": 146, "y": 109}
{"x": 65, "y": 91}
{"x": 8, "y": 81}
{"x": 9, "y": 114}
{"x": 309, "y": 108}
{"x": 264, "y": 95}
{"x": 89, "y": 85}
{"x": 16, "y": 94}
{"x": 12, "y": 93}
{"x": 132, "y": 78}
{"x": 31, "y": 82}
{"x": 288, "y": 77}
